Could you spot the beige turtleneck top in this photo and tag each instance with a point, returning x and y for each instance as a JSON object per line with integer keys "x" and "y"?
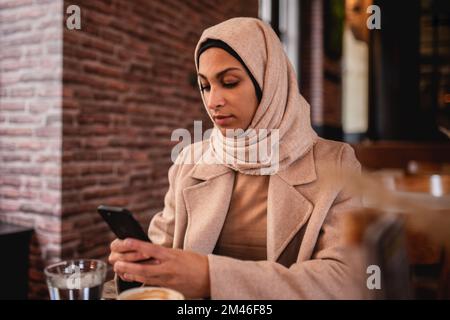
{"x": 244, "y": 232}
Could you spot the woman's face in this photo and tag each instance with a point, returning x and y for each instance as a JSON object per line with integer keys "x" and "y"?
{"x": 228, "y": 90}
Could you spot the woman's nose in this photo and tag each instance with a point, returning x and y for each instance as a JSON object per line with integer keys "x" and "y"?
{"x": 215, "y": 99}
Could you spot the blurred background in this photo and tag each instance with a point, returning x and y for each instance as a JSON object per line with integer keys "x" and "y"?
{"x": 86, "y": 116}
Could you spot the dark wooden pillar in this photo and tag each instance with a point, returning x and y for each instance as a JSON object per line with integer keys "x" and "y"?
{"x": 394, "y": 110}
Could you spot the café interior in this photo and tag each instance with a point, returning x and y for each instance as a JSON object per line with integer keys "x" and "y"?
{"x": 83, "y": 122}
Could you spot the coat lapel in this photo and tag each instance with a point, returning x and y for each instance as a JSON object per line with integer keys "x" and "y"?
{"x": 207, "y": 205}
{"x": 287, "y": 209}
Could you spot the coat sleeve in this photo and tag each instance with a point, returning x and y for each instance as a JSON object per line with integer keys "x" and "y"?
{"x": 326, "y": 276}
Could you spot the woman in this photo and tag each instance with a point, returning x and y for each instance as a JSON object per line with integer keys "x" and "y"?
{"x": 265, "y": 227}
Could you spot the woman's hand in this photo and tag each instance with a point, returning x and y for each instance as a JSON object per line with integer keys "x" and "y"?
{"x": 185, "y": 271}
{"x": 121, "y": 252}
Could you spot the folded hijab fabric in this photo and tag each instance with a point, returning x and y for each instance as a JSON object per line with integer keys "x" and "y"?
{"x": 280, "y": 131}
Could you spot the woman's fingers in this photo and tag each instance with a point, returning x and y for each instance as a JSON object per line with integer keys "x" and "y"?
{"x": 119, "y": 245}
{"x": 131, "y": 256}
{"x": 147, "y": 249}
{"x": 138, "y": 272}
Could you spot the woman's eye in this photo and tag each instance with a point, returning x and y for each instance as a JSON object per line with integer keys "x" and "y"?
{"x": 230, "y": 85}
{"x": 226, "y": 85}
{"x": 204, "y": 88}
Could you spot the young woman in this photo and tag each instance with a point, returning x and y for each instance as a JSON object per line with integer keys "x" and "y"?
{"x": 256, "y": 226}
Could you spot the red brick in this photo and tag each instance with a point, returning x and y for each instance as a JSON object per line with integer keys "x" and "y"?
{"x": 33, "y": 183}
{"x": 71, "y": 209}
{"x": 16, "y": 132}
{"x": 22, "y": 92}
{"x": 111, "y": 155}
{"x": 32, "y": 51}
{"x": 116, "y": 85}
{"x": 38, "y": 108}
{"x": 84, "y": 54}
{"x": 24, "y": 40}
{"x": 37, "y": 208}
{"x": 47, "y": 158}
{"x": 85, "y": 156}
{"x": 112, "y": 60}
{"x": 101, "y": 70}
{"x": 33, "y": 171}
{"x": 9, "y": 193}
{"x": 26, "y": 77}
{"x": 48, "y": 132}
{"x": 102, "y": 46}
{"x": 53, "y": 119}
{"x": 6, "y": 206}
{"x": 9, "y": 79}
{"x": 102, "y": 193}
{"x": 15, "y": 158}
{"x": 49, "y": 91}
{"x": 97, "y": 169}
{"x": 78, "y": 183}
{"x": 10, "y": 181}
{"x": 9, "y": 4}
{"x": 111, "y": 36}
{"x": 23, "y": 119}
{"x": 49, "y": 198}
{"x": 95, "y": 143}
{"x": 10, "y": 53}
{"x": 30, "y": 145}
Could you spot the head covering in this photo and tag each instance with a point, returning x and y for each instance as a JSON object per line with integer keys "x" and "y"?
{"x": 282, "y": 116}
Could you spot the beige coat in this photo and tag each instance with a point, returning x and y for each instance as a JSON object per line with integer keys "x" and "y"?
{"x": 305, "y": 256}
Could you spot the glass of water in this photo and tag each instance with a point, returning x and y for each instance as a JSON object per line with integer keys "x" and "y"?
{"x": 81, "y": 279}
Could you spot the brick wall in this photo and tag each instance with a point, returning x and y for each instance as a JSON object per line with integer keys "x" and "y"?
{"x": 127, "y": 83}
{"x": 30, "y": 125}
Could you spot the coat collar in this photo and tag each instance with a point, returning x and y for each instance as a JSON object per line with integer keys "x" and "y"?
{"x": 207, "y": 204}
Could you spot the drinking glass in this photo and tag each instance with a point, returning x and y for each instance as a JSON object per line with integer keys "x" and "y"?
{"x": 81, "y": 279}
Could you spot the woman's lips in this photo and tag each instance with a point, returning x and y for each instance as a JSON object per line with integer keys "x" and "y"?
{"x": 223, "y": 120}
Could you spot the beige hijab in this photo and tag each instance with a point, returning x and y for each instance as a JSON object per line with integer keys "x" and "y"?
{"x": 282, "y": 110}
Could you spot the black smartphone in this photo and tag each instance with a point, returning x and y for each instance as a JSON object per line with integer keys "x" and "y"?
{"x": 122, "y": 223}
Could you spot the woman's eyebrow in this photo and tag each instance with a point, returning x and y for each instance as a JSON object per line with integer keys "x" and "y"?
{"x": 219, "y": 74}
